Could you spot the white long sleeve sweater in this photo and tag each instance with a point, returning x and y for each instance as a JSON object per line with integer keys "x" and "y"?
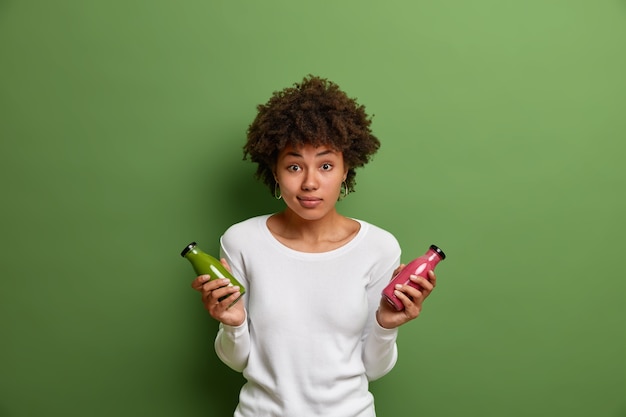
{"x": 311, "y": 341}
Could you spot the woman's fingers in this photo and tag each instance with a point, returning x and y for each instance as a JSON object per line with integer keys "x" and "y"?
{"x": 412, "y": 297}
{"x": 215, "y": 291}
{"x": 204, "y": 283}
{"x": 397, "y": 270}
{"x": 425, "y": 285}
{"x": 199, "y": 281}
{"x": 225, "y": 264}
{"x": 224, "y": 291}
{"x": 218, "y": 298}
{"x": 222, "y": 303}
{"x": 410, "y": 293}
{"x": 417, "y": 292}
{"x": 432, "y": 278}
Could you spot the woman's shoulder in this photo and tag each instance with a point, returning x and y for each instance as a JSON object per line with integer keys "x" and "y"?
{"x": 378, "y": 237}
{"x": 245, "y": 229}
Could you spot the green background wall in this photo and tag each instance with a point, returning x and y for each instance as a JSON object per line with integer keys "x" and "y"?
{"x": 503, "y": 129}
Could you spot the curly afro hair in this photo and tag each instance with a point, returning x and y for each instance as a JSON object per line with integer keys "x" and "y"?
{"x": 314, "y": 112}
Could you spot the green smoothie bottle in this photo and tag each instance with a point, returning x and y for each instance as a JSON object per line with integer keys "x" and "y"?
{"x": 205, "y": 264}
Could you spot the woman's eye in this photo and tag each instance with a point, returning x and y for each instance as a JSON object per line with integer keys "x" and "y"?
{"x": 326, "y": 167}
{"x": 293, "y": 168}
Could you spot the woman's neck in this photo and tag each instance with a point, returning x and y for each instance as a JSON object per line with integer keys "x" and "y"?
{"x": 320, "y": 235}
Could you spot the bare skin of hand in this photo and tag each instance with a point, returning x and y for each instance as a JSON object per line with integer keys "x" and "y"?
{"x": 412, "y": 299}
{"x": 212, "y": 291}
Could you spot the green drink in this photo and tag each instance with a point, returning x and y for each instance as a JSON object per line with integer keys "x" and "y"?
{"x": 205, "y": 264}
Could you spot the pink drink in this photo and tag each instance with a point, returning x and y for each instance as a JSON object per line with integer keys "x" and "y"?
{"x": 419, "y": 267}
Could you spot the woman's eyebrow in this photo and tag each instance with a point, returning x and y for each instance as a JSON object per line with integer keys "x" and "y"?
{"x": 323, "y": 153}
{"x": 326, "y": 152}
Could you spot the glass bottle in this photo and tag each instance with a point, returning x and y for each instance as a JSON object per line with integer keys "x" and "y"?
{"x": 420, "y": 267}
{"x": 205, "y": 264}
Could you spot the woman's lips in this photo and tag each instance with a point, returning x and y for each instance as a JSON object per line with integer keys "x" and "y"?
{"x": 309, "y": 202}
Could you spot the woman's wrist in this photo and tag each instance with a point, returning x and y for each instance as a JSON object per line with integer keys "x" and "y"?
{"x": 380, "y": 322}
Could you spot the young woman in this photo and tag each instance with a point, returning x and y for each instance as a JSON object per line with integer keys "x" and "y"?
{"x": 312, "y": 330}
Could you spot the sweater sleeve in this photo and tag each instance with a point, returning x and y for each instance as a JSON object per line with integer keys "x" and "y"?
{"x": 380, "y": 351}
{"x": 232, "y": 343}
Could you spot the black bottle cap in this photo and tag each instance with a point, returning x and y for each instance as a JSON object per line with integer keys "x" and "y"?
{"x": 188, "y": 248}
{"x": 439, "y": 251}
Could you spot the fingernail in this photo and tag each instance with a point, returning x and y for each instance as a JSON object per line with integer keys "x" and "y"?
{"x": 396, "y": 292}
{"x": 398, "y": 286}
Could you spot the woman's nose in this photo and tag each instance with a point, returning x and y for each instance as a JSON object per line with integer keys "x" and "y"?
{"x": 310, "y": 181}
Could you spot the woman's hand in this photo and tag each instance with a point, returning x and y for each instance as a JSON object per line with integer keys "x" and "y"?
{"x": 212, "y": 291}
{"x": 412, "y": 299}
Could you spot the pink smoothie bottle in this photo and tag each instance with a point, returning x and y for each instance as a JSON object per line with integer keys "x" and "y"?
{"x": 419, "y": 267}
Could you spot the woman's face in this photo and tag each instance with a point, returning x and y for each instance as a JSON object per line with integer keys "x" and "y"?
{"x": 310, "y": 179}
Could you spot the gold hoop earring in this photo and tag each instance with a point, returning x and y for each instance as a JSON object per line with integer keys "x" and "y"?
{"x": 277, "y": 194}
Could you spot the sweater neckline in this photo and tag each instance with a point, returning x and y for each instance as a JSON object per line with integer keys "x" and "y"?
{"x": 312, "y": 255}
